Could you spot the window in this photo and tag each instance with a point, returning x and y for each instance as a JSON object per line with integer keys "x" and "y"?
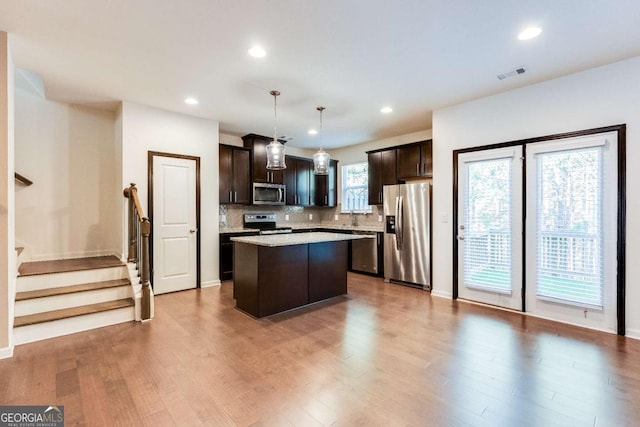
{"x": 355, "y": 185}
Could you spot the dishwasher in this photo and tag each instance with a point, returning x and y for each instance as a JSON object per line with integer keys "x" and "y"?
{"x": 364, "y": 252}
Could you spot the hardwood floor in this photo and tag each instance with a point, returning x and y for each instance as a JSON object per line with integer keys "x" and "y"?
{"x": 384, "y": 355}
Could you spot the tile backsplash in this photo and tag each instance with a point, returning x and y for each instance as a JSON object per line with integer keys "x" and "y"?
{"x": 231, "y": 215}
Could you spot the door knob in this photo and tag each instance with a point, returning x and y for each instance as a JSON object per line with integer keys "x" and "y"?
{"x": 193, "y": 230}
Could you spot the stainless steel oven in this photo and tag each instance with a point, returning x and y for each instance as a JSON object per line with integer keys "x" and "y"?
{"x": 268, "y": 194}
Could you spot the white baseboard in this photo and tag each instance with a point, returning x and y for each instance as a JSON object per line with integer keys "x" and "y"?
{"x": 632, "y": 333}
{"x": 441, "y": 294}
{"x": 6, "y": 352}
{"x": 210, "y": 283}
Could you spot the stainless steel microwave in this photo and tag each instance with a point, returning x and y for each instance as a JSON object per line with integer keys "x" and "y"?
{"x": 268, "y": 194}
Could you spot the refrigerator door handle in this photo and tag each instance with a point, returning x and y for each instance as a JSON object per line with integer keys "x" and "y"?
{"x": 399, "y": 221}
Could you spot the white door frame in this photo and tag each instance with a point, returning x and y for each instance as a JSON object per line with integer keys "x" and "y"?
{"x": 150, "y": 156}
{"x": 620, "y": 129}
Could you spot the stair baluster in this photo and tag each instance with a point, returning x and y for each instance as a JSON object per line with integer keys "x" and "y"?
{"x": 139, "y": 234}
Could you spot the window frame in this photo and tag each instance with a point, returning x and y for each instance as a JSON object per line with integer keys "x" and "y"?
{"x": 343, "y": 188}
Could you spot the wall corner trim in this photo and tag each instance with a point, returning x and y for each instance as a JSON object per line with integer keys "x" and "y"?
{"x": 6, "y": 352}
{"x": 441, "y": 294}
{"x": 210, "y": 283}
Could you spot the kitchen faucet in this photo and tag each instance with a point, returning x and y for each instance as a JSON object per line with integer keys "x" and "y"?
{"x": 354, "y": 219}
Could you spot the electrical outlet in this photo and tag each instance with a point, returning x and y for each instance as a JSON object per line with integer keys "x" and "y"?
{"x": 444, "y": 217}
{"x": 335, "y": 217}
{"x": 286, "y": 217}
{"x": 379, "y": 218}
{"x": 223, "y": 220}
{"x": 310, "y": 217}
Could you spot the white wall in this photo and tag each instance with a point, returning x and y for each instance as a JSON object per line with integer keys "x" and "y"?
{"x": 603, "y": 96}
{"x": 68, "y": 152}
{"x": 7, "y": 213}
{"x": 145, "y": 129}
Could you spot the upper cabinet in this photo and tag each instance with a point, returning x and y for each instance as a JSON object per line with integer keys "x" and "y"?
{"x": 258, "y": 144}
{"x": 382, "y": 171}
{"x": 235, "y": 178}
{"x": 387, "y": 166}
{"x": 298, "y": 181}
{"x": 325, "y": 186}
{"x": 414, "y": 160}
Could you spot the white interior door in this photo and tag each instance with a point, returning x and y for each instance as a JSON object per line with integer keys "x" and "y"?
{"x": 174, "y": 224}
{"x": 490, "y": 227}
{"x": 572, "y": 230}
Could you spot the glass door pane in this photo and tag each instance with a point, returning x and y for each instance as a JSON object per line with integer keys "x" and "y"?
{"x": 490, "y": 227}
{"x": 569, "y": 237}
{"x": 572, "y": 231}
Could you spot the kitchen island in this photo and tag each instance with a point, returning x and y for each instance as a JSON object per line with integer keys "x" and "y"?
{"x": 275, "y": 273}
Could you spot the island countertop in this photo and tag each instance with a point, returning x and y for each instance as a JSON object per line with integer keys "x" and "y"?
{"x": 289, "y": 239}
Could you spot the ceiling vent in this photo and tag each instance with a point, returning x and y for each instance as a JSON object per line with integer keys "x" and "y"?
{"x": 512, "y": 73}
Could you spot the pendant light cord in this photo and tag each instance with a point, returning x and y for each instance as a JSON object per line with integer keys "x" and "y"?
{"x": 275, "y": 115}
{"x": 321, "y": 109}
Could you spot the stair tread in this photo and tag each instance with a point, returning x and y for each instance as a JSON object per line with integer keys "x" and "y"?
{"x": 66, "y": 265}
{"x": 70, "y": 289}
{"x": 49, "y": 316}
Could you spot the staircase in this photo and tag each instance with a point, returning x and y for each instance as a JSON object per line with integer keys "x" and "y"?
{"x": 62, "y": 297}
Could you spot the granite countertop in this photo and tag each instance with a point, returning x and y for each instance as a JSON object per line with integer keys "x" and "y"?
{"x": 273, "y": 240}
{"x": 330, "y": 226}
{"x": 315, "y": 226}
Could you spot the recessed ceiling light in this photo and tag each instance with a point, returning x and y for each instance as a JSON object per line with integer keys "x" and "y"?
{"x": 191, "y": 101}
{"x": 530, "y": 33}
{"x": 312, "y": 132}
{"x": 257, "y": 52}
{"x": 386, "y": 110}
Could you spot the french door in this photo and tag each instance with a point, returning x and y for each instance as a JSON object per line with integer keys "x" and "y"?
{"x": 490, "y": 227}
{"x": 571, "y": 229}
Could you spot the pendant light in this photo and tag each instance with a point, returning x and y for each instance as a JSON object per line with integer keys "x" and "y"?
{"x": 275, "y": 150}
{"x": 321, "y": 158}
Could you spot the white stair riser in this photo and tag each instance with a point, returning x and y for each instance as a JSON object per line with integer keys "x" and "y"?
{"x": 58, "y": 302}
{"x": 71, "y": 325}
{"x": 54, "y": 280}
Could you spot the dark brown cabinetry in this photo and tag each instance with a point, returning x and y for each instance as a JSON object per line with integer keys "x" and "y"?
{"x": 298, "y": 181}
{"x": 235, "y": 177}
{"x": 325, "y": 191}
{"x": 414, "y": 160}
{"x": 258, "y": 144}
{"x": 270, "y": 280}
{"x": 382, "y": 171}
{"x": 226, "y": 253}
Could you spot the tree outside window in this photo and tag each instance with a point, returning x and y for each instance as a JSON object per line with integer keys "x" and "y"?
{"x": 355, "y": 185}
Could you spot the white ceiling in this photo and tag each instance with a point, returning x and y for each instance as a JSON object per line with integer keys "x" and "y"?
{"x": 353, "y": 57}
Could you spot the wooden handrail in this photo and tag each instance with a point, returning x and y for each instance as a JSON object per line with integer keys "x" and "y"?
{"x": 22, "y": 179}
{"x": 139, "y": 233}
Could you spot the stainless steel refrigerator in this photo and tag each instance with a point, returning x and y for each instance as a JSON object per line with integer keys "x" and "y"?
{"x": 407, "y": 237}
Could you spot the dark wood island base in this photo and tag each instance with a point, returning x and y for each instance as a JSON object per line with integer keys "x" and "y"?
{"x": 270, "y": 280}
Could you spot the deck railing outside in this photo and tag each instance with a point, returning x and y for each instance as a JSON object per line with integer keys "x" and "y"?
{"x": 568, "y": 263}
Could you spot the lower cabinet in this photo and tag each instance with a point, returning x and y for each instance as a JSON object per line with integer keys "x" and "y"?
{"x": 327, "y": 269}
{"x": 275, "y": 279}
{"x": 226, "y": 254}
